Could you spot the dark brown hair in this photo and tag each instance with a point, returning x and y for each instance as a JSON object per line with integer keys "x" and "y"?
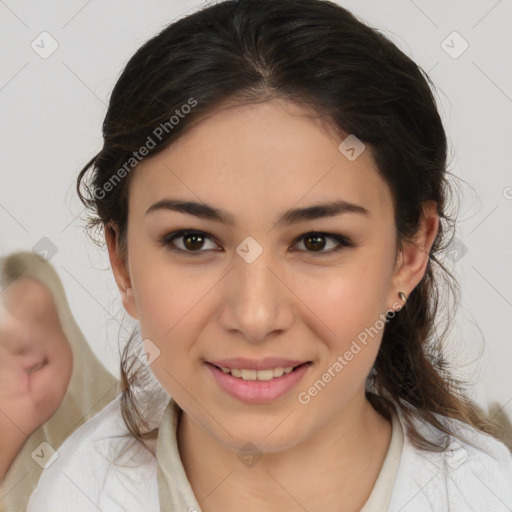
{"x": 316, "y": 53}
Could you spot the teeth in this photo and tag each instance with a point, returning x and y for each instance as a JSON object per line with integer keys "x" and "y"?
{"x": 278, "y": 372}
{"x": 247, "y": 374}
{"x": 262, "y": 374}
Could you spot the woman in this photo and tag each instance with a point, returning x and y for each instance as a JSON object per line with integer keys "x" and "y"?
{"x": 273, "y": 188}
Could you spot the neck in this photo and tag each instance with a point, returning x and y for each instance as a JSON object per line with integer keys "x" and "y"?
{"x": 346, "y": 456}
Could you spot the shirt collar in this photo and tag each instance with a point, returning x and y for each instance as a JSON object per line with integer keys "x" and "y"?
{"x": 176, "y": 493}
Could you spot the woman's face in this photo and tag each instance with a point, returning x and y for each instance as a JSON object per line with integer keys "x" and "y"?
{"x": 258, "y": 293}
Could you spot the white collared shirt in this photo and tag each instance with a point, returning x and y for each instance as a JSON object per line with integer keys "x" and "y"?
{"x": 84, "y": 479}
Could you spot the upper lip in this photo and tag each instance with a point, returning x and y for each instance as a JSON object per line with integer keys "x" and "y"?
{"x": 256, "y": 364}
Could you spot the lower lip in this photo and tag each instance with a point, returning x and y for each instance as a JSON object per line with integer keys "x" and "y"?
{"x": 257, "y": 391}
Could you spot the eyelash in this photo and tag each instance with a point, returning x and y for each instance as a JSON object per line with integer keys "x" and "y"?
{"x": 343, "y": 242}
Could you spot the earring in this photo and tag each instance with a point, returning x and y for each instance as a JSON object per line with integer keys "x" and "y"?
{"x": 402, "y": 296}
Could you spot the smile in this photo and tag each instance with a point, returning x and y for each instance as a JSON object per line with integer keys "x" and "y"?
{"x": 248, "y": 374}
{"x": 261, "y": 385}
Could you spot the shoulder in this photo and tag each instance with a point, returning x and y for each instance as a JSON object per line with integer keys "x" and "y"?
{"x": 100, "y": 466}
{"x": 464, "y": 476}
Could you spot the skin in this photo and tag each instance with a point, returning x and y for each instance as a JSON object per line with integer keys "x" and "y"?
{"x": 256, "y": 161}
{"x": 36, "y": 363}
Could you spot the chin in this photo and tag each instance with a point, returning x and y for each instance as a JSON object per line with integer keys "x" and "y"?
{"x": 266, "y": 440}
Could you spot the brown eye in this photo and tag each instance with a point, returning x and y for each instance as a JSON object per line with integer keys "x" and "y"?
{"x": 191, "y": 241}
{"x": 316, "y": 242}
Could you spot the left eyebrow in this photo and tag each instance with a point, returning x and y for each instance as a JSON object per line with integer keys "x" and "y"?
{"x": 317, "y": 211}
{"x": 292, "y": 216}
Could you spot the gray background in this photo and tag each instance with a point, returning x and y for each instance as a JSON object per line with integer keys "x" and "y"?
{"x": 52, "y": 108}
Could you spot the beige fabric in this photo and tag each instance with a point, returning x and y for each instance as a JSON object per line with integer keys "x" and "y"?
{"x": 174, "y": 488}
{"x": 176, "y": 493}
{"x": 380, "y": 496}
{"x": 90, "y": 389}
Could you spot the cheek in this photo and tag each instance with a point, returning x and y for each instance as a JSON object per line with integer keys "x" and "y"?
{"x": 355, "y": 336}
{"x": 346, "y": 299}
{"x": 348, "y": 303}
{"x": 172, "y": 311}
{"x": 163, "y": 297}
{"x": 350, "y": 306}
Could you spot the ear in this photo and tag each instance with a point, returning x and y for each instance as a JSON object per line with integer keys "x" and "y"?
{"x": 119, "y": 264}
{"x": 414, "y": 256}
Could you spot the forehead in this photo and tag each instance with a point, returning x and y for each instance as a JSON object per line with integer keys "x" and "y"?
{"x": 261, "y": 157}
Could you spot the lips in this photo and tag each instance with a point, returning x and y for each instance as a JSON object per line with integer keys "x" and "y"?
{"x": 249, "y": 380}
{"x": 266, "y": 363}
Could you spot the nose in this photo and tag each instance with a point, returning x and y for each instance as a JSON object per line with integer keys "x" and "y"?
{"x": 257, "y": 302}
